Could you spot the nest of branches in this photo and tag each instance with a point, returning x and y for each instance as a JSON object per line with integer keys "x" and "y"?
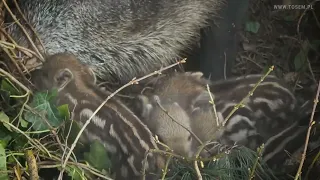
{"x": 35, "y": 136}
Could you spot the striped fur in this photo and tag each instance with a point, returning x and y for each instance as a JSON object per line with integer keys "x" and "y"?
{"x": 264, "y": 114}
{"x": 289, "y": 143}
{"x": 266, "y": 110}
{"x": 121, "y": 132}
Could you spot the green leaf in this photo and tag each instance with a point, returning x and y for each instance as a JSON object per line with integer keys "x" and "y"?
{"x": 44, "y": 105}
{"x": 64, "y": 111}
{"x": 4, "y": 138}
{"x": 252, "y": 26}
{"x": 75, "y": 173}
{"x": 98, "y": 157}
{"x": 3, "y": 164}
{"x": 4, "y": 118}
{"x": 20, "y": 142}
{"x": 23, "y": 122}
{"x": 8, "y": 86}
{"x": 51, "y": 95}
{"x": 72, "y": 129}
{"x": 10, "y": 159}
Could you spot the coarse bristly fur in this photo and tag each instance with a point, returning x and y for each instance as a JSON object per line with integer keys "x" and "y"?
{"x": 120, "y": 39}
{"x": 122, "y": 133}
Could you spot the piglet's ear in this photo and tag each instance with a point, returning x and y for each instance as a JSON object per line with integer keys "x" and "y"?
{"x": 63, "y": 78}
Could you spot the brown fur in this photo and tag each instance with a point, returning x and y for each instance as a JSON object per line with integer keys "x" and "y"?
{"x": 167, "y": 125}
{"x": 122, "y": 133}
{"x": 265, "y": 113}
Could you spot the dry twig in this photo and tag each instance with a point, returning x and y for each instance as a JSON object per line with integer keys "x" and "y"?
{"x": 133, "y": 81}
{"x": 303, "y": 156}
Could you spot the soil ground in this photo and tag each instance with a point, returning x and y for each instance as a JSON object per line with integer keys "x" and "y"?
{"x": 287, "y": 39}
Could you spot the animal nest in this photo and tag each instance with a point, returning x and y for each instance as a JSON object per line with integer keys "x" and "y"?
{"x": 27, "y": 144}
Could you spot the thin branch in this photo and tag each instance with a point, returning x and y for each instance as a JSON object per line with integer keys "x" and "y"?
{"x": 196, "y": 167}
{"x": 24, "y": 31}
{"x": 213, "y": 106}
{"x": 34, "y": 142}
{"x": 133, "y": 81}
{"x": 30, "y": 26}
{"x": 15, "y": 80}
{"x": 303, "y": 156}
{"x": 240, "y": 104}
{"x": 165, "y": 170}
{"x": 253, "y": 170}
{"x": 8, "y": 45}
{"x": 172, "y": 118}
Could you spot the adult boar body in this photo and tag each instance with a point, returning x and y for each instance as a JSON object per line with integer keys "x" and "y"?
{"x": 121, "y": 39}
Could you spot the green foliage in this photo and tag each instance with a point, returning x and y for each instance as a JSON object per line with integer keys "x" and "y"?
{"x": 9, "y": 138}
{"x": 75, "y": 128}
{"x": 98, "y": 157}
{"x": 232, "y": 166}
{"x": 4, "y": 138}
{"x": 45, "y": 109}
{"x": 6, "y": 90}
{"x": 64, "y": 111}
{"x": 235, "y": 165}
{"x": 75, "y": 173}
{"x": 3, "y": 164}
{"x": 5, "y": 120}
{"x": 9, "y": 87}
{"x": 23, "y": 122}
{"x": 252, "y": 26}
